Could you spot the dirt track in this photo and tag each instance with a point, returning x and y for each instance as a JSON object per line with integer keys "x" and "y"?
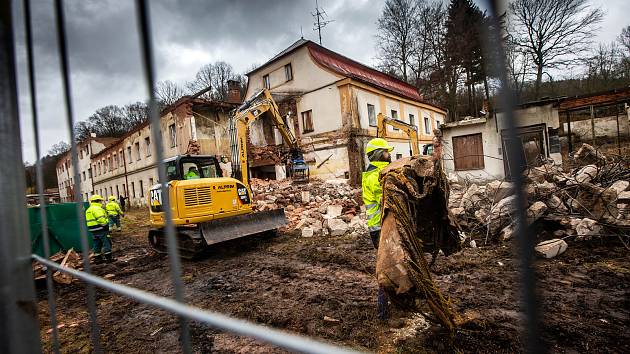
{"x": 295, "y": 283}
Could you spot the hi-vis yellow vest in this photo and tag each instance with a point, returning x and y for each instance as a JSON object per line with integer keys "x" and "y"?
{"x": 372, "y": 193}
{"x": 96, "y": 217}
{"x": 113, "y": 208}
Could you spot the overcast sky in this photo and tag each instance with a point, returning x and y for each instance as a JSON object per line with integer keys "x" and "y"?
{"x": 105, "y": 61}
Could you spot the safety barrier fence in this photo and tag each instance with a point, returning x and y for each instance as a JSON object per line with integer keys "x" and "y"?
{"x": 19, "y": 331}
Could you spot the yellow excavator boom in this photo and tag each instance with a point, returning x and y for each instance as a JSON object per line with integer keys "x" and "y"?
{"x": 411, "y": 131}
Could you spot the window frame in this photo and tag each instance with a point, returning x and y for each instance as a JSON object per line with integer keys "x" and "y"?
{"x": 288, "y": 75}
{"x": 427, "y": 125}
{"x": 394, "y": 115}
{"x": 129, "y": 154}
{"x": 147, "y": 144}
{"x": 172, "y": 134}
{"x": 138, "y": 154}
{"x": 266, "y": 82}
{"x": 373, "y": 116}
{"x": 307, "y": 116}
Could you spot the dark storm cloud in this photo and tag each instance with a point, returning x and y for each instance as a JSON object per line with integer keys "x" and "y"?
{"x": 104, "y": 54}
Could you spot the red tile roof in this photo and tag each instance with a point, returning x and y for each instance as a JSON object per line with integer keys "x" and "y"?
{"x": 347, "y": 67}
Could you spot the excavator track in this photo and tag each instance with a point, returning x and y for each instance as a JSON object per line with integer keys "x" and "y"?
{"x": 191, "y": 243}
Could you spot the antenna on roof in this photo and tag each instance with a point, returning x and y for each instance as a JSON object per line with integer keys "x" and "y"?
{"x": 319, "y": 15}
{"x": 301, "y": 33}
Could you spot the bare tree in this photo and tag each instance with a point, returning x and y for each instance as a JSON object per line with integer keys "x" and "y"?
{"x": 203, "y": 80}
{"x": 553, "y": 33}
{"x": 59, "y": 148}
{"x": 624, "y": 39}
{"x": 108, "y": 121}
{"x": 396, "y": 36}
{"x": 423, "y": 59}
{"x": 82, "y": 131}
{"x": 214, "y": 76}
{"x": 168, "y": 92}
{"x": 135, "y": 114}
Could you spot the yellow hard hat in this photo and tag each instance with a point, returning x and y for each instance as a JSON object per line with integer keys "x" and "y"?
{"x": 96, "y": 198}
{"x": 111, "y": 197}
{"x": 378, "y": 143}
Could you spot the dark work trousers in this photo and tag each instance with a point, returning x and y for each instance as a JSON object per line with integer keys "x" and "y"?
{"x": 381, "y": 298}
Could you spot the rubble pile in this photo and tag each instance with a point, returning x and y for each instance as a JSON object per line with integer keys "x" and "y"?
{"x": 70, "y": 259}
{"x": 318, "y": 208}
{"x": 591, "y": 199}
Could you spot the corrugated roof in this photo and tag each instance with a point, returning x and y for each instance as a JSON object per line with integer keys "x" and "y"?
{"x": 347, "y": 67}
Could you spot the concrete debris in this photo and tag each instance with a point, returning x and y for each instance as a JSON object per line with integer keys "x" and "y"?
{"x": 551, "y": 248}
{"x": 595, "y": 191}
{"x": 497, "y": 190}
{"x": 319, "y": 208}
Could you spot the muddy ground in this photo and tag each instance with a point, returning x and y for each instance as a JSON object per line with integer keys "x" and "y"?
{"x": 324, "y": 288}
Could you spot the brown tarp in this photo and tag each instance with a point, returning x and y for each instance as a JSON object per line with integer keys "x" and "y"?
{"x": 415, "y": 220}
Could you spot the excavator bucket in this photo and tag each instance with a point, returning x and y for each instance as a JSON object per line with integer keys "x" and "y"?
{"x": 224, "y": 229}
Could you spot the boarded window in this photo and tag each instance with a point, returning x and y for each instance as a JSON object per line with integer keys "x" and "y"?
{"x": 307, "y": 121}
{"x": 371, "y": 115}
{"x": 266, "y": 83}
{"x": 468, "y": 152}
{"x": 288, "y": 72}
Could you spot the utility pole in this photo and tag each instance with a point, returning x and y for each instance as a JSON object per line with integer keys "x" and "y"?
{"x": 320, "y": 23}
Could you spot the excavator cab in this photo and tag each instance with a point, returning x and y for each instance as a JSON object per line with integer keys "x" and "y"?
{"x": 297, "y": 168}
{"x": 185, "y": 167}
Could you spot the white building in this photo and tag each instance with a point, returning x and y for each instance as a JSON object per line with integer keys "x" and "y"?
{"x": 65, "y": 178}
{"x": 126, "y": 166}
{"x": 332, "y": 102}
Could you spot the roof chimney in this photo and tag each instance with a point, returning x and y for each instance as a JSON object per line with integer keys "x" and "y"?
{"x": 234, "y": 91}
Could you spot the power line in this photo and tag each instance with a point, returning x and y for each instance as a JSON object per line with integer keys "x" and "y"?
{"x": 320, "y": 15}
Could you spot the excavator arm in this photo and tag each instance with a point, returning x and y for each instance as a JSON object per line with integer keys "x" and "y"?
{"x": 410, "y": 130}
{"x": 259, "y": 105}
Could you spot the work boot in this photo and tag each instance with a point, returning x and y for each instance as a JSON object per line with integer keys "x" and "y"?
{"x": 97, "y": 259}
{"x": 109, "y": 258}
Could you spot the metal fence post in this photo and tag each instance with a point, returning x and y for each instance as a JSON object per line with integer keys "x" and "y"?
{"x": 19, "y": 328}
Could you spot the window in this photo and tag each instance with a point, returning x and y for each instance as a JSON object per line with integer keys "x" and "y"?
{"x": 172, "y": 134}
{"x": 266, "y": 83}
{"x": 129, "y": 153}
{"x": 151, "y": 182}
{"x": 115, "y": 164}
{"x": 398, "y": 156}
{"x": 83, "y": 175}
{"x": 137, "y": 151}
{"x": 437, "y": 123}
{"x": 117, "y": 191}
{"x": 141, "y": 190}
{"x": 81, "y": 154}
{"x": 133, "y": 190}
{"x": 121, "y": 157}
{"x": 288, "y": 72}
{"x": 89, "y": 172}
{"x": 99, "y": 168}
{"x": 111, "y": 191}
{"x": 371, "y": 115}
{"x": 395, "y": 116}
{"x": 307, "y": 121}
{"x": 468, "y": 152}
{"x": 147, "y": 144}
{"x": 427, "y": 126}
{"x": 412, "y": 119}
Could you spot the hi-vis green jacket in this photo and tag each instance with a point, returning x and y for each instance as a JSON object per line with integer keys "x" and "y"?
{"x": 113, "y": 208}
{"x": 372, "y": 193}
{"x": 96, "y": 217}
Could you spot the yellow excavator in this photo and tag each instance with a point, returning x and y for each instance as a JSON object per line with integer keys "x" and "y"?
{"x": 411, "y": 131}
{"x": 207, "y": 207}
